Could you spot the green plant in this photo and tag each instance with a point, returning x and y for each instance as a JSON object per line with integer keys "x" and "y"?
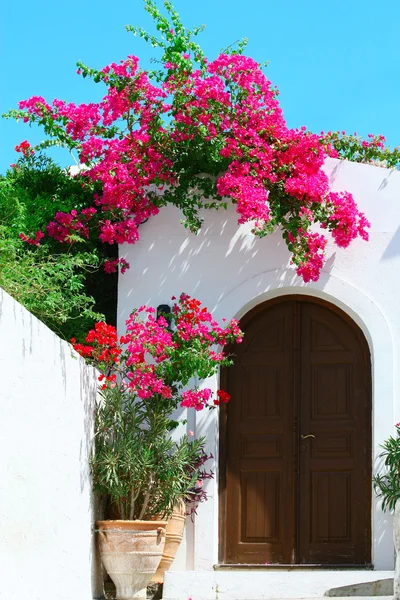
{"x": 372, "y": 151}
{"x": 50, "y": 286}
{"x": 146, "y": 375}
{"x": 199, "y": 134}
{"x": 61, "y": 284}
{"x": 136, "y": 463}
{"x": 387, "y": 484}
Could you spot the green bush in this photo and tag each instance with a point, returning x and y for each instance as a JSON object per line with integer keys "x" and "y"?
{"x": 387, "y": 483}
{"x": 63, "y": 285}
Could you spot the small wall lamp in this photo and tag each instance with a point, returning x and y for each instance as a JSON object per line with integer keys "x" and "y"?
{"x": 165, "y": 311}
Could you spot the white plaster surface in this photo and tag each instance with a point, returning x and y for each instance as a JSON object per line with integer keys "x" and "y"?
{"x": 396, "y": 525}
{"x": 46, "y": 400}
{"x": 231, "y": 271}
{"x": 262, "y": 585}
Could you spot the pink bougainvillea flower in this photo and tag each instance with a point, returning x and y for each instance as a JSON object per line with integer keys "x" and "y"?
{"x": 154, "y": 357}
{"x": 32, "y": 241}
{"x": 140, "y": 142}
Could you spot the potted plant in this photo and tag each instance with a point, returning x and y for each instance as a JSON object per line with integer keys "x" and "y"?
{"x": 138, "y": 466}
{"x": 387, "y": 486}
{"x": 182, "y": 509}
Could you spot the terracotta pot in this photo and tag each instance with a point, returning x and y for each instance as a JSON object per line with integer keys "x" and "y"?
{"x": 174, "y": 535}
{"x": 130, "y": 552}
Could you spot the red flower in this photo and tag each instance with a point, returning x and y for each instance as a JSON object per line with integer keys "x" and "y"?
{"x": 25, "y": 148}
{"x": 223, "y": 396}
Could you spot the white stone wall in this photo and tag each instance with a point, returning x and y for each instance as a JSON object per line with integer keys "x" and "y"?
{"x": 231, "y": 271}
{"x": 46, "y": 403}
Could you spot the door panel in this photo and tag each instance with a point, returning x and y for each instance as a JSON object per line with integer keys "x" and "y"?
{"x": 303, "y": 369}
{"x": 260, "y": 488}
{"x": 334, "y": 480}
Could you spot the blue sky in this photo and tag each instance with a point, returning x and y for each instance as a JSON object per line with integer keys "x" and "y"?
{"x": 337, "y": 65}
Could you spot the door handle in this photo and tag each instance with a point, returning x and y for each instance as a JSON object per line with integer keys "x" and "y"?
{"x": 309, "y": 435}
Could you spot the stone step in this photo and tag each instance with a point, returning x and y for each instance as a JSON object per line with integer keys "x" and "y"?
{"x": 380, "y": 587}
{"x": 266, "y": 597}
{"x": 276, "y": 584}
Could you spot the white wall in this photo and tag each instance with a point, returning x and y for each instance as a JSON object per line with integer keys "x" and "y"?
{"x": 46, "y": 401}
{"x": 231, "y": 271}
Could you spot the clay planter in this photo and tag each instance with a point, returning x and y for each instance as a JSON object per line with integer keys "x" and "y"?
{"x": 174, "y": 535}
{"x": 130, "y": 552}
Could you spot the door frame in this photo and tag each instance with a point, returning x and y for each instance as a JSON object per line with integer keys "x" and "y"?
{"x": 223, "y": 418}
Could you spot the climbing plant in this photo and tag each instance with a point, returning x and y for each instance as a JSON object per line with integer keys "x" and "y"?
{"x": 199, "y": 134}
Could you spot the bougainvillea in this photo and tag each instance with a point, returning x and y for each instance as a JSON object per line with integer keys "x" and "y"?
{"x": 157, "y": 359}
{"x": 146, "y": 375}
{"x": 198, "y": 133}
{"x": 372, "y": 150}
{"x": 25, "y": 148}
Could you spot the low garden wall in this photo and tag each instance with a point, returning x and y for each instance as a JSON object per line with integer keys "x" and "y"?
{"x": 46, "y": 511}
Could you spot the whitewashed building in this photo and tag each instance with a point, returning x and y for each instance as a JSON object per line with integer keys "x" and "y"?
{"x": 315, "y": 391}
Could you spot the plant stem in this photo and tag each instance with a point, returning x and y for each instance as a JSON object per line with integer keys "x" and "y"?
{"x": 133, "y": 498}
{"x": 146, "y": 498}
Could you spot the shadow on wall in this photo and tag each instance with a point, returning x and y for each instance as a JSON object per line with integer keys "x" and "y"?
{"x": 341, "y": 165}
{"x": 169, "y": 260}
{"x": 88, "y": 377}
{"x": 393, "y": 248}
{"x": 180, "y": 261}
{"x": 285, "y": 279}
{"x": 46, "y": 427}
{"x": 88, "y": 391}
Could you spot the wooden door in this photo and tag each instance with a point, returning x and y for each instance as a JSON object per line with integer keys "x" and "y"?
{"x": 296, "y": 439}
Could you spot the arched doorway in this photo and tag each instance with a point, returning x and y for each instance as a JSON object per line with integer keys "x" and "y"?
{"x": 295, "y": 460}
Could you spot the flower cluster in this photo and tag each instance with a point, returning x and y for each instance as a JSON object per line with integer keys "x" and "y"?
{"x": 67, "y": 225}
{"x": 102, "y": 345}
{"x": 25, "y": 148}
{"x": 157, "y": 359}
{"x": 111, "y": 265}
{"x": 154, "y": 135}
{"x": 312, "y": 247}
{"x": 108, "y": 379}
{"x": 348, "y": 222}
{"x": 193, "y": 321}
{"x": 198, "y": 399}
{"x": 32, "y": 241}
{"x": 145, "y": 375}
